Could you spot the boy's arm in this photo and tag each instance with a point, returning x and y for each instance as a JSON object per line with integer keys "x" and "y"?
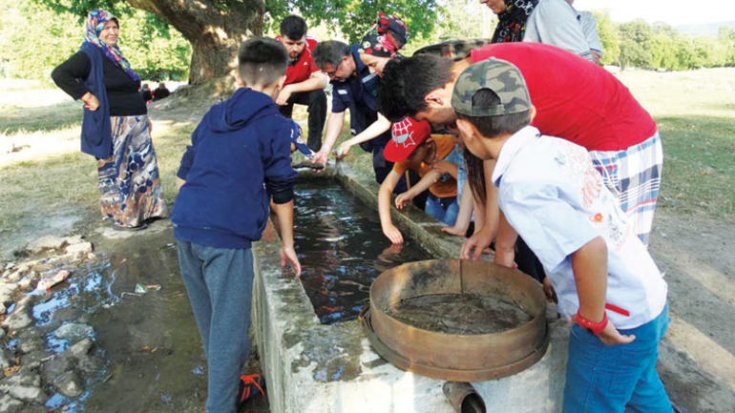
{"x": 466, "y": 205}
{"x": 473, "y": 247}
{"x": 422, "y": 185}
{"x": 334, "y": 128}
{"x": 386, "y": 224}
{"x": 375, "y": 129}
{"x": 316, "y": 81}
{"x": 284, "y": 214}
{"x": 589, "y": 264}
{"x": 505, "y": 243}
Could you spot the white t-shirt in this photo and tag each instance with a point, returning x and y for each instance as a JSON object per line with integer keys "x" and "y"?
{"x": 554, "y": 198}
{"x": 589, "y": 27}
{"x": 555, "y": 22}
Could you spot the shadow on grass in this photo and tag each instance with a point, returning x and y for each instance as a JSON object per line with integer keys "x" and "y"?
{"x": 14, "y": 119}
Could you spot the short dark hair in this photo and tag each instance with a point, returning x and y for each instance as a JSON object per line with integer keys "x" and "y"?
{"x": 406, "y": 82}
{"x": 294, "y": 27}
{"x": 489, "y": 127}
{"x": 262, "y": 61}
{"x": 331, "y": 51}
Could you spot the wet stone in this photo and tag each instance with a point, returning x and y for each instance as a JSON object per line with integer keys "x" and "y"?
{"x": 80, "y": 349}
{"x": 34, "y": 360}
{"x": 465, "y": 314}
{"x": 90, "y": 364}
{"x": 19, "y": 319}
{"x": 74, "y": 332}
{"x": 6, "y": 292}
{"x": 69, "y": 384}
{"x": 9, "y": 404}
{"x": 24, "y": 386}
{"x": 4, "y": 360}
{"x": 30, "y": 341}
{"x": 56, "y": 367}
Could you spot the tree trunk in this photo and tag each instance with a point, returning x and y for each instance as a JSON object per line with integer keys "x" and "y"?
{"x": 214, "y": 30}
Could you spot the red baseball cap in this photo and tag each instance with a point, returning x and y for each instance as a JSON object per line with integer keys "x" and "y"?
{"x": 407, "y": 135}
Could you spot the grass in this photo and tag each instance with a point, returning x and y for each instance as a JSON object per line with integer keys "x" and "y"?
{"x": 694, "y": 111}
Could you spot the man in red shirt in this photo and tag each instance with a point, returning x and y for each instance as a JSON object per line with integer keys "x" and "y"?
{"x": 574, "y": 99}
{"x": 304, "y": 83}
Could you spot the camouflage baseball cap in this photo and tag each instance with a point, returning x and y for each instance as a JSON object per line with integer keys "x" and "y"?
{"x": 501, "y": 77}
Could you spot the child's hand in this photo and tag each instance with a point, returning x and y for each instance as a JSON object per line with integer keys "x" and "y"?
{"x": 611, "y": 336}
{"x": 393, "y": 234}
{"x": 403, "y": 199}
{"x": 321, "y": 158}
{"x": 343, "y": 150}
{"x": 288, "y": 255}
{"x": 454, "y": 230}
{"x": 549, "y": 290}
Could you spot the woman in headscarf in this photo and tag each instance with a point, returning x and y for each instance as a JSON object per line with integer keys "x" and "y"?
{"x": 512, "y": 17}
{"x": 115, "y": 125}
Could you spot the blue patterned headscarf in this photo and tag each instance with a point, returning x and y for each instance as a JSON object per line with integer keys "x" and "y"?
{"x": 95, "y": 23}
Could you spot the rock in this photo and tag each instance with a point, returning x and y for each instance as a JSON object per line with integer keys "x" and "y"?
{"x": 2, "y": 333}
{"x": 34, "y": 360}
{"x": 12, "y": 276}
{"x": 25, "y": 283}
{"x": 79, "y": 250}
{"x": 80, "y": 349}
{"x": 4, "y": 361}
{"x": 74, "y": 332}
{"x": 30, "y": 344}
{"x": 9, "y": 404}
{"x": 90, "y": 364}
{"x": 19, "y": 319}
{"x": 52, "y": 242}
{"x": 70, "y": 384}
{"x": 7, "y": 290}
{"x": 51, "y": 280}
{"x": 56, "y": 367}
{"x": 25, "y": 386}
{"x": 3, "y": 309}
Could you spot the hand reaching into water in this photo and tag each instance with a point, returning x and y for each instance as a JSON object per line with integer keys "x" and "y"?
{"x": 288, "y": 255}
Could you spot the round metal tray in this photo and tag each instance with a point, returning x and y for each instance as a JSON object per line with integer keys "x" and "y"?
{"x": 456, "y": 357}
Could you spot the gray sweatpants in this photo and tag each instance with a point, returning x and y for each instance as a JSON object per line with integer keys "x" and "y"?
{"x": 219, "y": 283}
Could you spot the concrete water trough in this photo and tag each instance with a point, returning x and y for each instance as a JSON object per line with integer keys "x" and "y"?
{"x": 322, "y": 368}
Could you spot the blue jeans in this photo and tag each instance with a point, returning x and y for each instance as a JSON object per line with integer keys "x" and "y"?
{"x": 442, "y": 209}
{"x": 619, "y": 378}
{"x": 219, "y": 283}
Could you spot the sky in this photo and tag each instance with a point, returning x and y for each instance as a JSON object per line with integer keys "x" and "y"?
{"x": 673, "y": 12}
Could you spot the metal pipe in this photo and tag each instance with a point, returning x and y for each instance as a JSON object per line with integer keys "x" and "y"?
{"x": 463, "y": 397}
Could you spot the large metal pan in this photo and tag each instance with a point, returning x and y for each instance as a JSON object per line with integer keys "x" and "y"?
{"x": 456, "y": 357}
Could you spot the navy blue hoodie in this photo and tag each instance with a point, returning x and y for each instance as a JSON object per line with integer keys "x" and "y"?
{"x": 238, "y": 159}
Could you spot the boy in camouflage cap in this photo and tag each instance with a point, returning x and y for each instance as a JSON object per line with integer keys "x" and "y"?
{"x": 605, "y": 280}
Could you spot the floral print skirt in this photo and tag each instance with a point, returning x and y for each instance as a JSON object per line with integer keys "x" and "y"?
{"x": 129, "y": 183}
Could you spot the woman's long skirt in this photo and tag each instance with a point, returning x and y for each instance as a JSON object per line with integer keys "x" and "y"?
{"x": 129, "y": 183}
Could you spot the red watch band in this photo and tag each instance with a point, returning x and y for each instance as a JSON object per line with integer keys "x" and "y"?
{"x": 593, "y": 327}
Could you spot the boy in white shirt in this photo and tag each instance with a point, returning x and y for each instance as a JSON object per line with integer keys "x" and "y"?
{"x": 604, "y": 278}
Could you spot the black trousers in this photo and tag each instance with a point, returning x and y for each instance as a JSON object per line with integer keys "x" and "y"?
{"x": 316, "y": 102}
{"x": 528, "y": 262}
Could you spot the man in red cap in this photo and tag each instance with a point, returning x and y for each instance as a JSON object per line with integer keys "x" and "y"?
{"x": 435, "y": 158}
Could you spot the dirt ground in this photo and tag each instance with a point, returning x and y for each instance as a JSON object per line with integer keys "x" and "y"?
{"x": 697, "y": 253}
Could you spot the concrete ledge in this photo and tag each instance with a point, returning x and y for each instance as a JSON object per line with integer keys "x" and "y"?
{"x": 310, "y": 367}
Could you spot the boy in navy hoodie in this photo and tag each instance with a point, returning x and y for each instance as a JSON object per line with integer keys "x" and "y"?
{"x": 239, "y": 161}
